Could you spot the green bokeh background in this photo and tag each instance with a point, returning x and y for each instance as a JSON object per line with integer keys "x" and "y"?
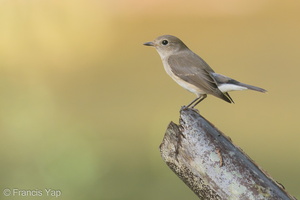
{"x": 84, "y": 105}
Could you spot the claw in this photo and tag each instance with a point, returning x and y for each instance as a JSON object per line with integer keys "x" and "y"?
{"x": 183, "y": 108}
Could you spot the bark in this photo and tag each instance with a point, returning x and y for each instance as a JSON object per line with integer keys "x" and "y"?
{"x": 211, "y": 166}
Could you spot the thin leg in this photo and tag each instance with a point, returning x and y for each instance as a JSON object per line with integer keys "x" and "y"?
{"x": 201, "y": 98}
{"x": 193, "y": 102}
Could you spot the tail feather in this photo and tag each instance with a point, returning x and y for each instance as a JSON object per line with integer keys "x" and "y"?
{"x": 251, "y": 87}
{"x": 227, "y": 84}
{"x": 226, "y": 94}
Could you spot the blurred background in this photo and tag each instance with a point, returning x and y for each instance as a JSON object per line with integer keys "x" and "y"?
{"x": 84, "y": 105}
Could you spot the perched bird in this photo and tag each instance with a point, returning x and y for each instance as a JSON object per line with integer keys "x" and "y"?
{"x": 192, "y": 73}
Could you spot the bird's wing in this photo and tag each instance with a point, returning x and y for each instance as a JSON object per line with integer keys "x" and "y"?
{"x": 194, "y": 70}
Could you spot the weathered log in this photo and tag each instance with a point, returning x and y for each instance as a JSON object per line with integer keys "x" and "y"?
{"x": 211, "y": 166}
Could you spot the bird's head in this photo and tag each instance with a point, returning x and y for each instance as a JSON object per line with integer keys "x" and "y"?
{"x": 167, "y": 45}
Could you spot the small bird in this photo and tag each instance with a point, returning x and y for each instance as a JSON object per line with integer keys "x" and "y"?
{"x": 191, "y": 72}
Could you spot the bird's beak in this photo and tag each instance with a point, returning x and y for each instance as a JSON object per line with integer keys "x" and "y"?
{"x": 149, "y": 44}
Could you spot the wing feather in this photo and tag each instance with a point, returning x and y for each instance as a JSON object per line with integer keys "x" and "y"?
{"x": 194, "y": 70}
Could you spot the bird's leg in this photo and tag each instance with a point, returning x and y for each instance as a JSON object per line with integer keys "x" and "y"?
{"x": 193, "y": 102}
{"x": 201, "y": 98}
{"x": 197, "y": 100}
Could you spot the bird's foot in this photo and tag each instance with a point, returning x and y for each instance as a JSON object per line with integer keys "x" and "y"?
{"x": 186, "y": 107}
{"x": 195, "y": 110}
{"x": 183, "y": 108}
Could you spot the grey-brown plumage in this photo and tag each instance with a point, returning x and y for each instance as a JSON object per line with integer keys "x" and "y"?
{"x": 198, "y": 73}
{"x": 193, "y": 73}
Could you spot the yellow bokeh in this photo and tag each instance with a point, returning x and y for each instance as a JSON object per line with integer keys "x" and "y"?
{"x": 84, "y": 105}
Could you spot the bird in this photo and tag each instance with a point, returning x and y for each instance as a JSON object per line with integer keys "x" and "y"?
{"x": 192, "y": 73}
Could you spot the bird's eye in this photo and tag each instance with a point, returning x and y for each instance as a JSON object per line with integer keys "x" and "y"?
{"x": 165, "y": 42}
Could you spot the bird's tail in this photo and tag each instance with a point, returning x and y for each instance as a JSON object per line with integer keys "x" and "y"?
{"x": 227, "y": 84}
{"x": 251, "y": 87}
